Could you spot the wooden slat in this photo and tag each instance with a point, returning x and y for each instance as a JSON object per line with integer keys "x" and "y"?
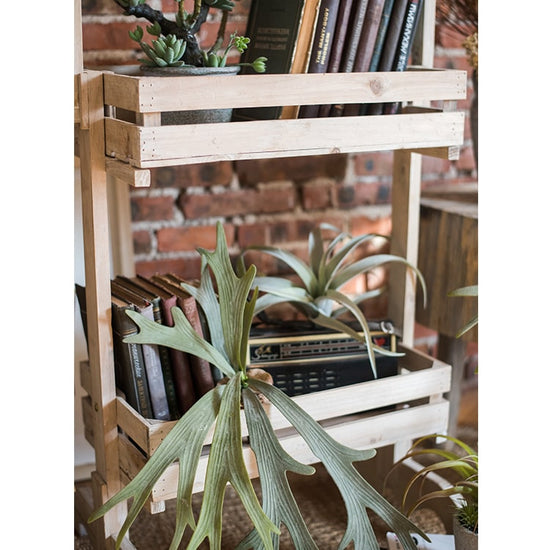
{"x": 188, "y": 144}
{"x": 359, "y": 432}
{"x": 85, "y": 377}
{"x": 128, "y": 174}
{"x": 424, "y": 377}
{"x": 156, "y": 94}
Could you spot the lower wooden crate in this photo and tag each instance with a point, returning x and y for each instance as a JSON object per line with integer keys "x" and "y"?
{"x": 367, "y": 415}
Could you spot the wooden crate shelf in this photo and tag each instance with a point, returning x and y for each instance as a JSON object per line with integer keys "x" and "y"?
{"x": 366, "y": 415}
{"x": 147, "y": 144}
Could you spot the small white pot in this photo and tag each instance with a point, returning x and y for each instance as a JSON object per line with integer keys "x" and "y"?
{"x": 464, "y": 538}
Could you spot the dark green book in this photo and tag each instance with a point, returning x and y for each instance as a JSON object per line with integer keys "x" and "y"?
{"x": 130, "y": 375}
{"x": 274, "y": 27}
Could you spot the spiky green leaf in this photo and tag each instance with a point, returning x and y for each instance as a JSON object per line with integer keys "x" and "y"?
{"x": 338, "y": 459}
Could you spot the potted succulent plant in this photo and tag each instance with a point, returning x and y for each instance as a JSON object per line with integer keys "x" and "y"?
{"x": 462, "y": 466}
{"x": 175, "y": 43}
{"x": 175, "y": 51}
{"x": 227, "y": 300}
{"x": 318, "y": 293}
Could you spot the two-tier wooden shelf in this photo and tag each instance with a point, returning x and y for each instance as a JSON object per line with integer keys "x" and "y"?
{"x": 120, "y": 138}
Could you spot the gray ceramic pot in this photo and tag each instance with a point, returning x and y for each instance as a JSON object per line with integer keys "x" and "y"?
{"x": 464, "y": 538}
{"x": 192, "y": 117}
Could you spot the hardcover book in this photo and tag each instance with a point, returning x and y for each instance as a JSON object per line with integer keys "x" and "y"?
{"x": 353, "y": 35}
{"x": 322, "y": 44}
{"x": 390, "y": 46}
{"x": 151, "y": 356}
{"x": 344, "y": 12}
{"x": 404, "y": 45}
{"x": 181, "y": 368}
{"x": 365, "y": 47}
{"x": 282, "y": 32}
{"x": 149, "y": 294}
{"x": 201, "y": 371}
{"x": 130, "y": 374}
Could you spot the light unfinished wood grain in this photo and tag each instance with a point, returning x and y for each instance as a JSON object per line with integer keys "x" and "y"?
{"x": 157, "y": 94}
{"x": 188, "y": 144}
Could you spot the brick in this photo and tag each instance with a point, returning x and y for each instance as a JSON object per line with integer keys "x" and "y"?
{"x": 374, "y": 164}
{"x": 283, "y": 231}
{"x": 298, "y": 169}
{"x": 152, "y": 208}
{"x": 279, "y": 197}
{"x": 371, "y": 193}
{"x": 252, "y": 234}
{"x": 190, "y": 267}
{"x": 193, "y": 175}
{"x": 111, "y": 36}
{"x": 316, "y": 194}
{"x": 232, "y": 203}
{"x": 142, "y": 242}
{"x": 174, "y": 239}
{"x": 100, "y": 7}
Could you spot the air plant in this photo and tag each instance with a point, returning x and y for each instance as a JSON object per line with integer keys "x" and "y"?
{"x": 466, "y": 291}
{"x": 229, "y": 312}
{"x": 317, "y": 294}
{"x": 463, "y": 463}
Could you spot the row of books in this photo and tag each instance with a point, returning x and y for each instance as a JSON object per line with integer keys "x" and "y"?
{"x": 163, "y": 383}
{"x": 158, "y": 382}
{"x": 319, "y": 36}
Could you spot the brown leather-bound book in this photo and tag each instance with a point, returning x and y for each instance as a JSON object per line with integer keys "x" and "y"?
{"x": 151, "y": 356}
{"x": 201, "y": 370}
{"x": 152, "y": 295}
{"x": 179, "y": 360}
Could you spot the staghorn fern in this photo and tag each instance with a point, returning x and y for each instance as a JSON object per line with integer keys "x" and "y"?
{"x": 318, "y": 294}
{"x": 229, "y": 316}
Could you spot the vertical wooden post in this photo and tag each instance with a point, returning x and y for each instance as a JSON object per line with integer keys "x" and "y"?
{"x": 407, "y": 172}
{"x": 98, "y": 299}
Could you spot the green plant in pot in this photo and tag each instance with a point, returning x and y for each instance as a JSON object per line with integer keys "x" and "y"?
{"x": 175, "y": 51}
{"x": 318, "y": 294}
{"x": 228, "y": 301}
{"x": 460, "y": 469}
{"x": 175, "y": 42}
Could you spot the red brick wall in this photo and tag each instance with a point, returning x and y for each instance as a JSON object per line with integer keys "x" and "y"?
{"x": 264, "y": 201}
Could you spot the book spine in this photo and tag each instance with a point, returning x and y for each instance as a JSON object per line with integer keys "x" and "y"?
{"x": 273, "y": 28}
{"x": 153, "y": 367}
{"x": 201, "y": 370}
{"x": 355, "y": 26}
{"x": 344, "y": 11}
{"x": 390, "y": 46}
{"x": 404, "y": 45}
{"x": 381, "y": 35}
{"x": 129, "y": 363}
{"x": 366, "y": 46}
{"x": 407, "y": 35}
{"x": 322, "y": 43}
{"x": 181, "y": 369}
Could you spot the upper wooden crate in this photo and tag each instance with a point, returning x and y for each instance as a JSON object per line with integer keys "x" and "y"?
{"x": 147, "y": 144}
